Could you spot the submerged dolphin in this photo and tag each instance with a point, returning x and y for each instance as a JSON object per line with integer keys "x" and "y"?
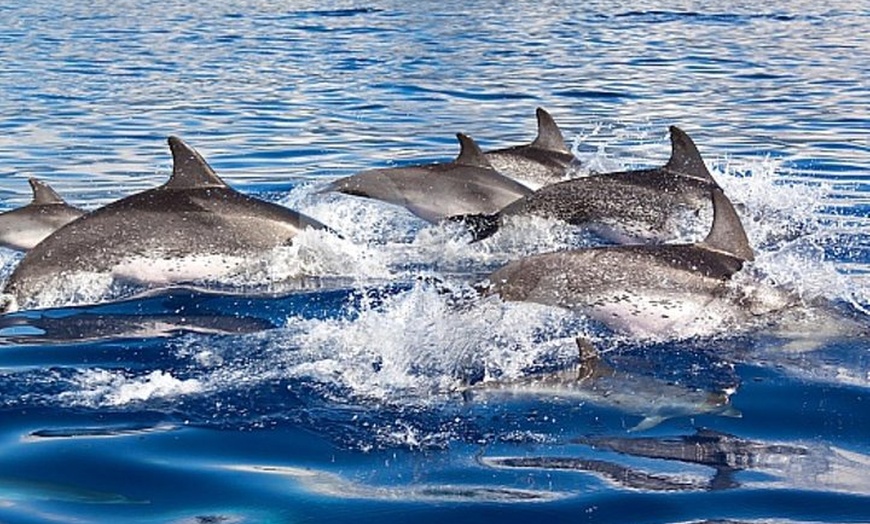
{"x": 596, "y": 382}
{"x": 433, "y": 192}
{"x": 645, "y": 290}
{"x": 26, "y": 226}
{"x": 647, "y": 204}
{"x": 544, "y": 161}
{"x": 194, "y": 219}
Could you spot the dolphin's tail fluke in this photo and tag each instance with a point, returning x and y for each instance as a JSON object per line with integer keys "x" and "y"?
{"x": 480, "y": 225}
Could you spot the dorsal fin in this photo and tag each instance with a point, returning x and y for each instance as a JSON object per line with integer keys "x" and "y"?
{"x": 727, "y": 234}
{"x": 189, "y": 169}
{"x": 470, "y": 153}
{"x": 43, "y": 194}
{"x": 685, "y": 158}
{"x": 590, "y": 365}
{"x": 549, "y": 135}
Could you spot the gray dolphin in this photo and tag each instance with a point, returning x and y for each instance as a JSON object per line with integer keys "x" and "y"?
{"x": 594, "y": 381}
{"x": 646, "y": 205}
{"x": 433, "y": 192}
{"x": 194, "y": 214}
{"x": 544, "y": 161}
{"x": 643, "y": 290}
{"x": 26, "y": 226}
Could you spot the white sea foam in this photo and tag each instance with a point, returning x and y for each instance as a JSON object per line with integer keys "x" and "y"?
{"x": 100, "y": 387}
{"x": 781, "y": 215}
{"x": 417, "y": 342}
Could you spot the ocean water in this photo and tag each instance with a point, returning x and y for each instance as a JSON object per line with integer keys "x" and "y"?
{"x": 376, "y": 387}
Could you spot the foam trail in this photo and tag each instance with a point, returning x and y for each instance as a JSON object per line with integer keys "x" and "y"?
{"x": 416, "y": 342}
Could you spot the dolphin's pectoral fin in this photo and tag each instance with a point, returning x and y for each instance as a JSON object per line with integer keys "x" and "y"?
{"x": 685, "y": 158}
{"x": 648, "y": 423}
{"x": 43, "y": 194}
{"x": 731, "y": 412}
{"x": 549, "y": 135}
{"x": 189, "y": 169}
{"x": 481, "y": 226}
{"x": 470, "y": 153}
{"x": 727, "y": 234}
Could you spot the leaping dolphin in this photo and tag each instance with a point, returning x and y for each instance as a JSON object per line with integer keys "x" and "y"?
{"x": 433, "y": 192}
{"x": 544, "y": 161}
{"x": 26, "y": 226}
{"x": 194, "y": 218}
{"x": 645, "y": 205}
{"x": 643, "y": 290}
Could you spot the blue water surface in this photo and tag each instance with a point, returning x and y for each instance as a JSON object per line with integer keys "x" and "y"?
{"x": 348, "y": 399}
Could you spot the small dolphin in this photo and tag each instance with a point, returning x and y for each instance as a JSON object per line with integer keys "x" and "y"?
{"x": 26, "y": 226}
{"x": 544, "y": 161}
{"x": 645, "y": 205}
{"x": 433, "y": 192}
{"x": 644, "y": 290}
{"x": 195, "y": 215}
{"x": 594, "y": 381}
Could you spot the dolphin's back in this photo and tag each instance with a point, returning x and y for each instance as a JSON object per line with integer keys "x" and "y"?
{"x": 576, "y": 277}
{"x": 641, "y": 201}
{"x": 642, "y": 292}
{"x": 627, "y": 206}
{"x": 544, "y": 161}
{"x": 26, "y": 226}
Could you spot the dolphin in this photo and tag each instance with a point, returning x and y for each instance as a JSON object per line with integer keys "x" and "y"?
{"x": 647, "y": 205}
{"x": 648, "y": 290}
{"x": 594, "y": 381}
{"x": 433, "y": 192}
{"x": 26, "y": 226}
{"x": 542, "y": 162}
{"x": 194, "y": 218}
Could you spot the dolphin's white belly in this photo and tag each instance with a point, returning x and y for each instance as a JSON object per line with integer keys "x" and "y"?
{"x": 659, "y": 314}
{"x": 158, "y": 271}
